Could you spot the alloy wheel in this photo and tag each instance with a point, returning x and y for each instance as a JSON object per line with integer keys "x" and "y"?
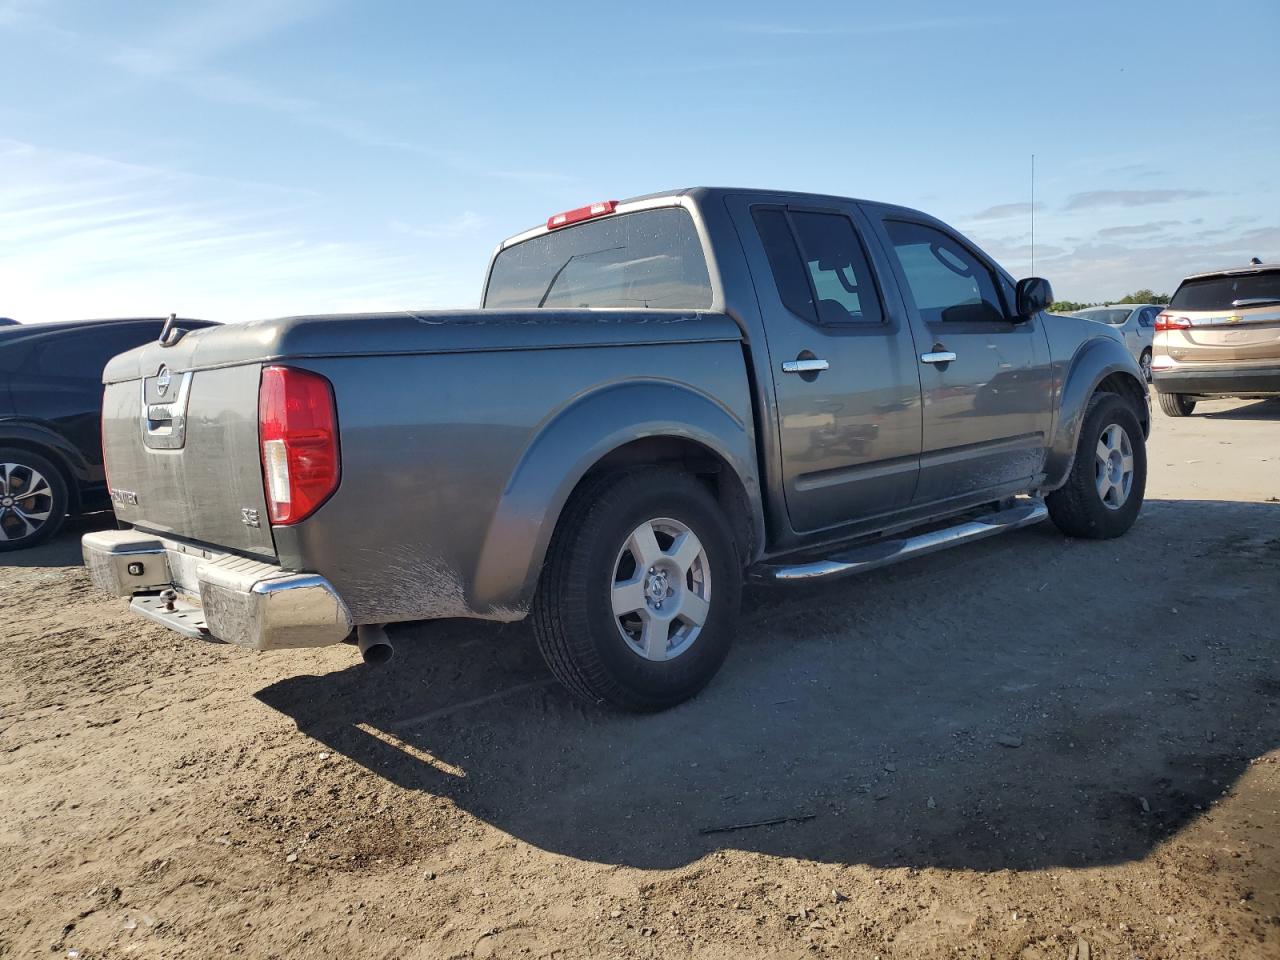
{"x": 661, "y": 589}
{"x": 1113, "y": 467}
{"x": 26, "y": 501}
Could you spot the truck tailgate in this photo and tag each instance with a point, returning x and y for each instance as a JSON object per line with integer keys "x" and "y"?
{"x": 181, "y": 451}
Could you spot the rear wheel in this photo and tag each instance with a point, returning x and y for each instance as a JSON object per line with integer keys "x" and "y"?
{"x": 33, "y": 499}
{"x": 1176, "y": 404}
{"x": 625, "y": 612}
{"x": 1144, "y": 362}
{"x": 1104, "y": 491}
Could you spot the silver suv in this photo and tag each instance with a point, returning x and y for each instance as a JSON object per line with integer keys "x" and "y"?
{"x": 1135, "y": 322}
{"x": 1219, "y": 337}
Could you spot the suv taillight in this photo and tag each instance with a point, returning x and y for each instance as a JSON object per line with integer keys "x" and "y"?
{"x": 298, "y": 431}
{"x": 1167, "y": 321}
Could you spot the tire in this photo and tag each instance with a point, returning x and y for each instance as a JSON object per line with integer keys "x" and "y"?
{"x": 1176, "y": 404}
{"x": 1095, "y": 503}
{"x": 1144, "y": 362}
{"x": 592, "y": 569}
{"x": 33, "y": 499}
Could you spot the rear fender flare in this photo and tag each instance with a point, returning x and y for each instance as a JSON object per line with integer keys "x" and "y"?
{"x": 1094, "y": 362}
{"x": 567, "y": 446}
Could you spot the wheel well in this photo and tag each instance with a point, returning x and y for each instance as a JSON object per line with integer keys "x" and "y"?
{"x": 697, "y": 460}
{"x": 1129, "y": 388}
{"x": 69, "y": 479}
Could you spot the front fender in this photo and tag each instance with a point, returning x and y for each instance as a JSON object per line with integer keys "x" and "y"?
{"x": 568, "y": 445}
{"x": 1093, "y": 362}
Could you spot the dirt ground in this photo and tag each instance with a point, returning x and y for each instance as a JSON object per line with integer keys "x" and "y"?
{"x": 1029, "y": 747}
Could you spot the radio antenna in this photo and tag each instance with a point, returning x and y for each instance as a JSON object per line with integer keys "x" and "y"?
{"x": 1033, "y": 214}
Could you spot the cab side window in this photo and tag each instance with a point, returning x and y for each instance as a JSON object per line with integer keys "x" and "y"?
{"x": 784, "y": 261}
{"x": 819, "y": 266}
{"x": 948, "y": 283}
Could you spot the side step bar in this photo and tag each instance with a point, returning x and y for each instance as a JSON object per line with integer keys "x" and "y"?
{"x": 884, "y": 552}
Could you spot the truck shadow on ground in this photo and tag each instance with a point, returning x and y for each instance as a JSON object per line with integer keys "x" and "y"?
{"x": 1022, "y": 703}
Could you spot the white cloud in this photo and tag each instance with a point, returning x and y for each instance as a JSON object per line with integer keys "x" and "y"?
{"x": 196, "y": 36}
{"x": 1102, "y": 271}
{"x": 855, "y": 29}
{"x": 1138, "y": 229}
{"x": 86, "y": 236}
{"x": 466, "y": 223}
{"x": 186, "y": 48}
{"x": 1003, "y": 211}
{"x": 16, "y": 11}
{"x": 1093, "y": 199}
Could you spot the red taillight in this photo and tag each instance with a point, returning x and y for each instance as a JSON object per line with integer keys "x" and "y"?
{"x": 1167, "y": 321}
{"x": 298, "y": 431}
{"x": 581, "y": 213}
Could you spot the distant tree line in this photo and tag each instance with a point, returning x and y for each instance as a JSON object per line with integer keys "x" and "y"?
{"x": 1138, "y": 296}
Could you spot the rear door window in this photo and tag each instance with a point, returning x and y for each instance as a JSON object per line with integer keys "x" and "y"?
{"x": 1228, "y": 293}
{"x": 648, "y": 259}
{"x": 819, "y": 266}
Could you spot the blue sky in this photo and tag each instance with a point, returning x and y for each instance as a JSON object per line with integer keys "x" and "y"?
{"x": 251, "y": 158}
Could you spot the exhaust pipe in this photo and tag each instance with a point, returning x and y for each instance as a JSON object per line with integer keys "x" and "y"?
{"x": 375, "y": 645}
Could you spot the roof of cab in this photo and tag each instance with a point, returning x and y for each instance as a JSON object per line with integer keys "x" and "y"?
{"x": 697, "y": 192}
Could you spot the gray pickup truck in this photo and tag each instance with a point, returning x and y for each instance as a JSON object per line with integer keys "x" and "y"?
{"x": 660, "y": 399}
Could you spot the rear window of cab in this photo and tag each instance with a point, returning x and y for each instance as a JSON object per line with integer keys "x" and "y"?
{"x": 648, "y": 259}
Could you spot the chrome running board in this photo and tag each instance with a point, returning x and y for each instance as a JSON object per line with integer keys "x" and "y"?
{"x": 884, "y": 552}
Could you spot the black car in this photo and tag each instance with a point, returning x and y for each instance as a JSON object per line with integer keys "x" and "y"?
{"x": 50, "y": 420}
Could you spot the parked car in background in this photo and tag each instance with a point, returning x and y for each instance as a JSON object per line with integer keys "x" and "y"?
{"x": 660, "y": 398}
{"x": 1219, "y": 337}
{"x": 8, "y": 322}
{"x": 50, "y": 416}
{"x": 1135, "y": 322}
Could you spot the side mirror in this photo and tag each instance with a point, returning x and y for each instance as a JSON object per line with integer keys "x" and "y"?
{"x": 1034, "y": 295}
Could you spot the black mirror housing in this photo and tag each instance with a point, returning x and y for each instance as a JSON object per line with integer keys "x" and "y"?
{"x": 1034, "y": 295}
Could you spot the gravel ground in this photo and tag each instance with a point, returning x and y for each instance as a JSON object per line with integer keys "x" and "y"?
{"x": 1029, "y": 747}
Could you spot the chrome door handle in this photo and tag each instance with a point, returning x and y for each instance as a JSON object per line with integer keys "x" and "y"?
{"x": 805, "y": 366}
{"x": 943, "y": 356}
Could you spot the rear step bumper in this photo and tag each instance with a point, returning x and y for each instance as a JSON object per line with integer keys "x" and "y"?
{"x": 884, "y": 552}
{"x": 216, "y": 596}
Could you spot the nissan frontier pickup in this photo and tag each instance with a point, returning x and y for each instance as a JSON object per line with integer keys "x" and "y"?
{"x": 660, "y": 399}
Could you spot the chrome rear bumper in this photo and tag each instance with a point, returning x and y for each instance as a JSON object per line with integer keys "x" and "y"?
{"x": 216, "y": 596}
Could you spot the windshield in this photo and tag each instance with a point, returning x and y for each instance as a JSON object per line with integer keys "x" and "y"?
{"x": 1114, "y": 317}
{"x": 648, "y": 259}
{"x": 1228, "y": 293}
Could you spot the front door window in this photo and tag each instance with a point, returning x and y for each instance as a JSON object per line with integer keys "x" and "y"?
{"x": 948, "y": 283}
